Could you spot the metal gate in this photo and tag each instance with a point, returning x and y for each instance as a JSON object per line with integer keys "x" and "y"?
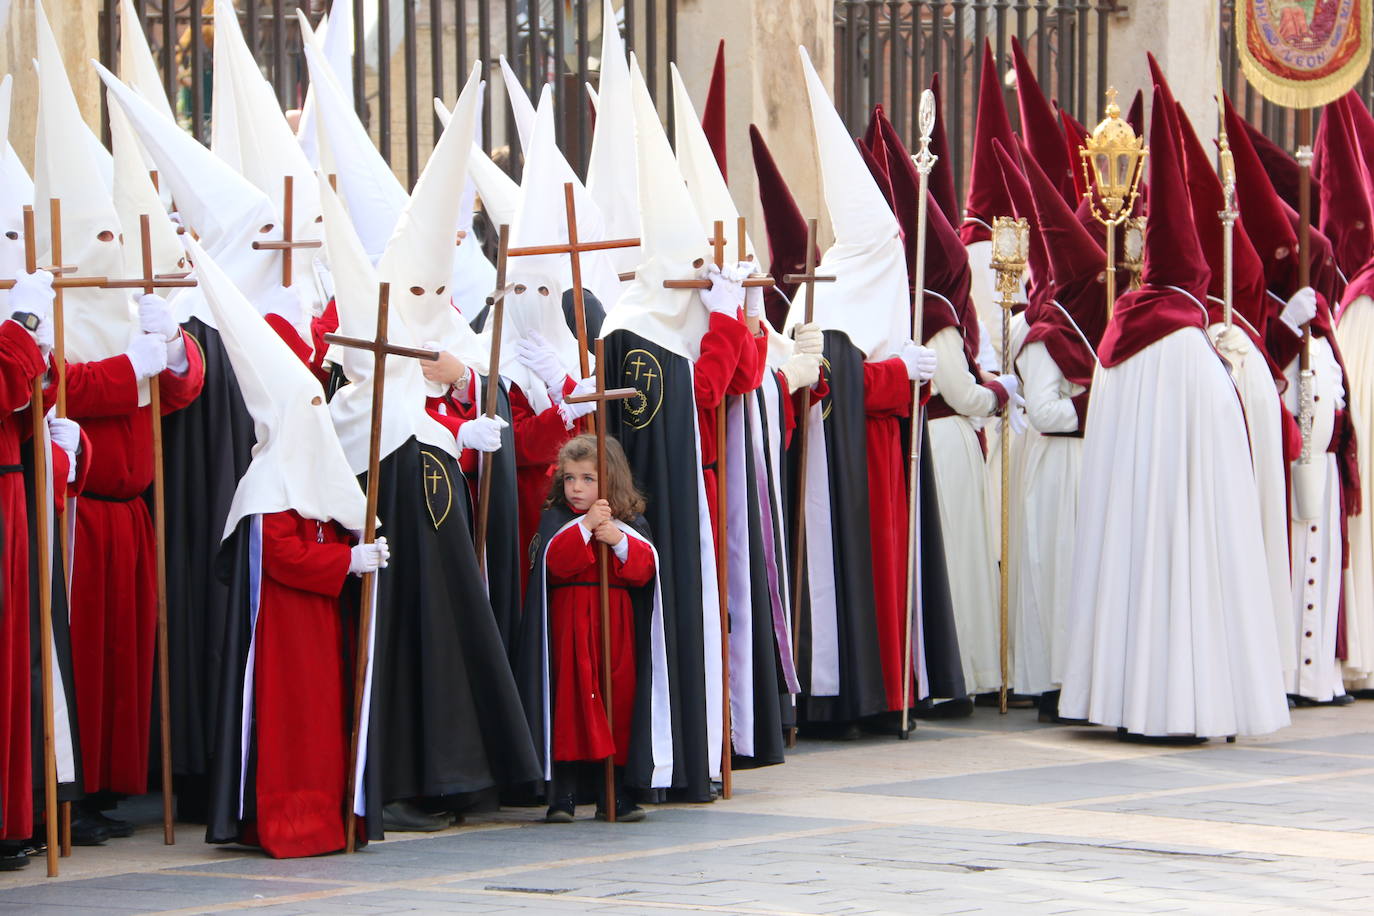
{"x": 887, "y": 51}
{"x": 415, "y": 50}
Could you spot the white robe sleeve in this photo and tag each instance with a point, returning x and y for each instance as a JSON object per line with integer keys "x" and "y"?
{"x": 1048, "y": 394}
{"x": 954, "y": 382}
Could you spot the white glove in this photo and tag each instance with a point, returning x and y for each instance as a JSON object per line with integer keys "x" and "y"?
{"x": 571, "y": 413}
{"x": 482, "y": 434}
{"x": 33, "y": 293}
{"x": 726, "y": 294}
{"x": 1012, "y": 385}
{"x": 987, "y": 356}
{"x": 1300, "y": 309}
{"x": 536, "y": 355}
{"x": 920, "y": 362}
{"x": 148, "y": 355}
{"x": 753, "y": 295}
{"x": 802, "y": 370}
{"x": 1017, "y": 419}
{"x": 809, "y": 339}
{"x": 1233, "y": 341}
{"x": 66, "y": 435}
{"x": 155, "y": 317}
{"x": 368, "y": 558}
{"x": 43, "y": 335}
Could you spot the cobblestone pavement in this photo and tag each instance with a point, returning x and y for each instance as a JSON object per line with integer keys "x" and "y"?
{"x": 996, "y": 814}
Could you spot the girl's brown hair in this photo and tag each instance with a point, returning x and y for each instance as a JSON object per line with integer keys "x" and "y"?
{"x": 618, "y": 488}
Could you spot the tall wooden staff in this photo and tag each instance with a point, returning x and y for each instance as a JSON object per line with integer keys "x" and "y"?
{"x": 380, "y": 349}
{"x": 808, "y": 280}
{"x": 574, "y": 248}
{"x": 148, "y": 283}
{"x": 925, "y": 160}
{"x": 497, "y": 317}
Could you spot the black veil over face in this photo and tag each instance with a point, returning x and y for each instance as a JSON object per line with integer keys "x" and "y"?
{"x": 595, "y": 313}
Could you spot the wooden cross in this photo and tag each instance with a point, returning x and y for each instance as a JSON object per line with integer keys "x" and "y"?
{"x": 574, "y": 248}
{"x": 288, "y": 243}
{"x": 380, "y": 348}
{"x": 496, "y": 302}
{"x": 601, "y": 397}
{"x": 717, "y": 241}
{"x": 808, "y": 280}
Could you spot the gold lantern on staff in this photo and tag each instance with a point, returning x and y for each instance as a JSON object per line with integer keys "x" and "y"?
{"x": 1113, "y": 163}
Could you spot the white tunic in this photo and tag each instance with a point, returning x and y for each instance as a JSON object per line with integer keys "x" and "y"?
{"x": 1263, "y": 418}
{"x": 1314, "y": 599}
{"x": 1170, "y": 625}
{"x": 1356, "y": 338}
{"x": 1046, "y": 524}
{"x": 962, "y": 485}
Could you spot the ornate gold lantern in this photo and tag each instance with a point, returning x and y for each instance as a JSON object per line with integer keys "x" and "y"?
{"x": 1113, "y": 163}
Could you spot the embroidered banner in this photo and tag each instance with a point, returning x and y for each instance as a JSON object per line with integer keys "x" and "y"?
{"x": 1304, "y": 53}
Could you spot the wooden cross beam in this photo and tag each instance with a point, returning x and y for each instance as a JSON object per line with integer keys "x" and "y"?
{"x": 574, "y": 248}
{"x": 380, "y": 348}
{"x": 288, "y": 243}
{"x": 495, "y": 319}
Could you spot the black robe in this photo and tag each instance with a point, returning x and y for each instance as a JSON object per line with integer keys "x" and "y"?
{"x": 861, "y": 692}
{"x": 768, "y": 686}
{"x": 446, "y": 717}
{"x": 206, "y": 450}
{"x": 62, "y": 644}
{"x": 532, "y": 651}
{"x": 656, "y": 430}
{"x": 504, "y": 567}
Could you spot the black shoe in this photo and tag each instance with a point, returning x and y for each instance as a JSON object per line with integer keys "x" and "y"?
{"x": 406, "y": 817}
{"x": 1344, "y": 699}
{"x": 562, "y": 811}
{"x": 626, "y": 811}
{"x": 960, "y": 708}
{"x": 87, "y": 829}
{"x": 12, "y": 858}
{"x": 113, "y": 825}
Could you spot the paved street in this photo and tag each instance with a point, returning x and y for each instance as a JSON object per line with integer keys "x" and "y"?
{"x": 986, "y": 814}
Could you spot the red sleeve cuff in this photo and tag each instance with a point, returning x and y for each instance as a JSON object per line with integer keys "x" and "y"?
{"x": 1000, "y": 392}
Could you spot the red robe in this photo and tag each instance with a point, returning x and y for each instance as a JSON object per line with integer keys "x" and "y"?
{"x": 114, "y": 587}
{"x": 887, "y": 401}
{"x": 538, "y": 437}
{"x": 580, "y": 731}
{"x": 299, "y": 687}
{"x": 729, "y": 364}
{"x": 20, "y": 364}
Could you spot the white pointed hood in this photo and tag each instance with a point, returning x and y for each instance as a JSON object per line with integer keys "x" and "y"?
{"x": 16, "y": 192}
{"x": 368, "y": 186}
{"x": 334, "y": 38}
{"x": 404, "y": 414}
{"x": 700, "y": 170}
{"x": 99, "y": 323}
{"x": 612, "y": 166}
{"x": 520, "y": 105}
{"x": 134, "y": 195}
{"x": 297, "y": 463}
{"x": 139, "y": 72}
{"x": 218, "y": 204}
{"x": 418, "y": 261}
{"x": 474, "y": 276}
{"x": 258, "y": 142}
{"x": 868, "y": 301}
{"x": 672, "y": 241}
{"x": 543, "y": 221}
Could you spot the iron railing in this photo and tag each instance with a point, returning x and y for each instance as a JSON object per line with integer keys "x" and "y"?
{"x": 886, "y": 52}
{"x": 416, "y": 50}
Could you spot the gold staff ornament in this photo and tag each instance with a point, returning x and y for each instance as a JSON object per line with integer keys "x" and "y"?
{"x": 1010, "y": 252}
{"x": 1113, "y": 163}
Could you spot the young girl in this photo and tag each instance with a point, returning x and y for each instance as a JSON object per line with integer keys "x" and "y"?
{"x": 561, "y": 665}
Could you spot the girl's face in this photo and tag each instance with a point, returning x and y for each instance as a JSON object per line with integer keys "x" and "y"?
{"x": 579, "y": 484}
